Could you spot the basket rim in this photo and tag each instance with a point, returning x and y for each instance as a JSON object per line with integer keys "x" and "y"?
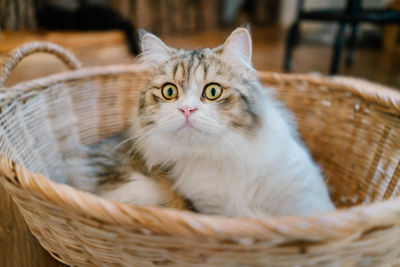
{"x": 331, "y": 225}
{"x": 353, "y": 221}
{"x": 370, "y": 91}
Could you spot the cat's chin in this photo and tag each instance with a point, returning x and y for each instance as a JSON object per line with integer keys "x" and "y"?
{"x": 187, "y": 126}
{"x": 190, "y": 129}
{"x": 188, "y": 136}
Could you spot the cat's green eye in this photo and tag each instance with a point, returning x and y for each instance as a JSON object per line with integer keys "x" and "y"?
{"x": 212, "y": 91}
{"x": 169, "y": 91}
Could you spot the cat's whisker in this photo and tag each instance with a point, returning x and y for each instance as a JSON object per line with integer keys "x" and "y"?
{"x": 135, "y": 141}
{"x": 140, "y": 139}
{"x": 133, "y": 137}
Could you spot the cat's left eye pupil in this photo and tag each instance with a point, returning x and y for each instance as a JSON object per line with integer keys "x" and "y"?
{"x": 213, "y": 92}
{"x": 170, "y": 91}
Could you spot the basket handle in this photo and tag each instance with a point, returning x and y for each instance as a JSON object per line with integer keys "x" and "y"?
{"x": 11, "y": 60}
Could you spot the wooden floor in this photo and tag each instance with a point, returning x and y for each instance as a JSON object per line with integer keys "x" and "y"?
{"x": 110, "y": 48}
{"x": 17, "y": 245}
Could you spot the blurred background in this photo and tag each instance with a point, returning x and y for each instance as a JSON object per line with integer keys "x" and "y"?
{"x": 346, "y": 37}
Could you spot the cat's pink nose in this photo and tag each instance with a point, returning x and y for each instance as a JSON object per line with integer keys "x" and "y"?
{"x": 187, "y": 111}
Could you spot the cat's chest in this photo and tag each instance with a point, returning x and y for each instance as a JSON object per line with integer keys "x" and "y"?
{"x": 201, "y": 179}
{"x": 209, "y": 187}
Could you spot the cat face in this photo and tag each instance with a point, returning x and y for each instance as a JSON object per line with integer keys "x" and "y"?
{"x": 198, "y": 96}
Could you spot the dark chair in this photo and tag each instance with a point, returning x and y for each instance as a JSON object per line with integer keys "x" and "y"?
{"x": 352, "y": 15}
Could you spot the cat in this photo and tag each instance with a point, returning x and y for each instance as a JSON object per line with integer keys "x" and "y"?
{"x": 221, "y": 140}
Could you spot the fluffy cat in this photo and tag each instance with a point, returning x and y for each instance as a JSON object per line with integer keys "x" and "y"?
{"x": 222, "y": 140}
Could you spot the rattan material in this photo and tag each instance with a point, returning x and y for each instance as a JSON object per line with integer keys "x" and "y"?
{"x": 352, "y": 128}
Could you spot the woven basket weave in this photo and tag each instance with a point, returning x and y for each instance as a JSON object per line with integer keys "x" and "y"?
{"x": 352, "y": 128}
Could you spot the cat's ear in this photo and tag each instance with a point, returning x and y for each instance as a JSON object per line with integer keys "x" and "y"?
{"x": 154, "y": 51}
{"x": 237, "y": 49}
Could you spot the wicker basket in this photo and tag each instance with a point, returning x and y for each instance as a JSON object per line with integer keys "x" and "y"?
{"x": 352, "y": 128}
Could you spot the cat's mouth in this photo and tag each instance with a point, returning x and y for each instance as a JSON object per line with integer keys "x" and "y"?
{"x": 188, "y": 125}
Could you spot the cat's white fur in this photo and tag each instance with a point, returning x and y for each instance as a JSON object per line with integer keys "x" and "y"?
{"x": 139, "y": 189}
{"x": 225, "y": 172}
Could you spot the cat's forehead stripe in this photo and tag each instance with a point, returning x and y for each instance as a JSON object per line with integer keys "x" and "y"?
{"x": 192, "y": 66}
{"x": 179, "y": 70}
{"x": 205, "y": 70}
{"x": 183, "y": 70}
{"x": 186, "y": 65}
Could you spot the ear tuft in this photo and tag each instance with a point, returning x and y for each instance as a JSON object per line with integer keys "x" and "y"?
{"x": 154, "y": 51}
{"x": 141, "y": 33}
